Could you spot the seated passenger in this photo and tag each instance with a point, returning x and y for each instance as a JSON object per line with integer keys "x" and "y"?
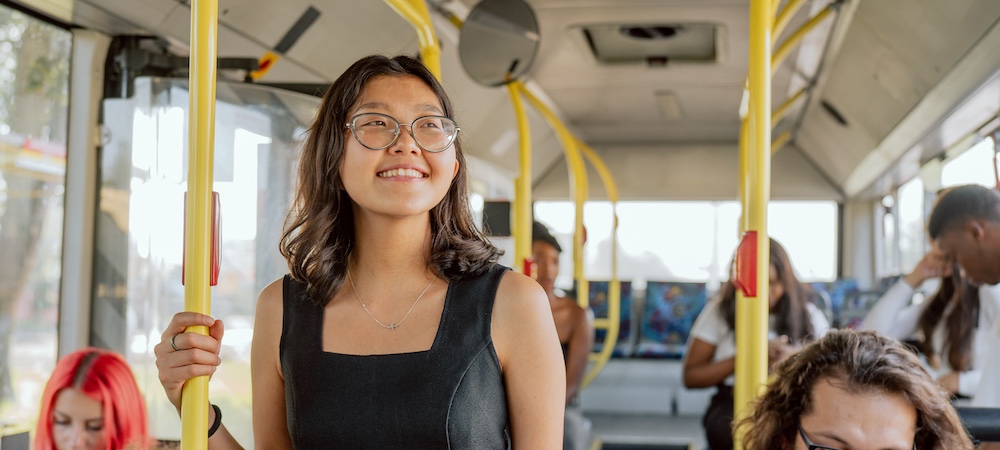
{"x": 575, "y": 327}
{"x": 855, "y": 390}
{"x": 952, "y": 327}
{"x": 91, "y": 402}
{"x": 965, "y": 225}
{"x": 710, "y": 356}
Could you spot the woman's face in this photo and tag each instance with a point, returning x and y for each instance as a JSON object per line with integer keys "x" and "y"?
{"x": 403, "y": 179}
{"x": 864, "y": 421}
{"x": 546, "y": 259}
{"x": 77, "y": 422}
{"x": 775, "y": 289}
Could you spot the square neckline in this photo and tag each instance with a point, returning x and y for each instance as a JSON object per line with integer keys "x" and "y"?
{"x": 434, "y": 344}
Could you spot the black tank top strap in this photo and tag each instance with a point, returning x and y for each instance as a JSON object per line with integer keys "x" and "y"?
{"x": 467, "y": 319}
{"x": 299, "y": 313}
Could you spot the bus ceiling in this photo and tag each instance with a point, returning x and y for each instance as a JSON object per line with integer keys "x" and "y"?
{"x": 659, "y": 85}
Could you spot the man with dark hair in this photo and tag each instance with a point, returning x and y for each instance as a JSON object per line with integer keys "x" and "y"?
{"x": 965, "y": 225}
{"x": 575, "y": 327}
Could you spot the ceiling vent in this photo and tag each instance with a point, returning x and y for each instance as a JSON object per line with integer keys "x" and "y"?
{"x": 652, "y": 44}
{"x": 669, "y": 105}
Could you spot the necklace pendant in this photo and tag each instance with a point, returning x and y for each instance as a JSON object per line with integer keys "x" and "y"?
{"x": 393, "y": 326}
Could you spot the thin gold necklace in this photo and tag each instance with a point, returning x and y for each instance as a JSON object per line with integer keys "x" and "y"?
{"x": 394, "y": 325}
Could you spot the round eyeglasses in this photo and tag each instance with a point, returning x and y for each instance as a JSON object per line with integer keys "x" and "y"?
{"x": 811, "y": 446}
{"x": 379, "y": 131}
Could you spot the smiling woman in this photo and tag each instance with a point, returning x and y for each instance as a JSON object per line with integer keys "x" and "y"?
{"x": 432, "y": 344}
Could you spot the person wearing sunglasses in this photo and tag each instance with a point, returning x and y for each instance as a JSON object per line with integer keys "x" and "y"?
{"x": 853, "y": 390}
{"x": 396, "y": 327}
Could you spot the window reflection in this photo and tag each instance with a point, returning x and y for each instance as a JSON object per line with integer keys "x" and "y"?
{"x": 34, "y": 91}
{"x": 140, "y": 229}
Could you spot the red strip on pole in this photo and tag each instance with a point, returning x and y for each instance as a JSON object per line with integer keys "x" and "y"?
{"x": 746, "y": 265}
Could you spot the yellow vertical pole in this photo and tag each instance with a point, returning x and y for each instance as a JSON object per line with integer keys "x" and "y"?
{"x": 751, "y": 342}
{"x": 522, "y": 186}
{"x": 201, "y": 140}
{"x": 741, "y": 391}
{"x": 415, "y": 12}
{"x": 578, "y": 184}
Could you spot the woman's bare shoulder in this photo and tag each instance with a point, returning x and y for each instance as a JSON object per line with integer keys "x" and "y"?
{"x": 270, "y": 309}
{"x": 517, "y": 291}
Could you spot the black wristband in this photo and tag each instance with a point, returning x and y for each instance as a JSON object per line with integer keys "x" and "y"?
{"x": 218, "y": 421}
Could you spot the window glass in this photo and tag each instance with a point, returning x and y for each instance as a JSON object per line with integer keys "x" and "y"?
{"x": 974, "y": 166}
{"x": 888, "y": 256}
{"x": 141, "y": 221}
{"x": 689, "y": 241}
{"x": 808, "y": 231}
{"x": 34, "y": 93}
{"x": 912, "y": 240}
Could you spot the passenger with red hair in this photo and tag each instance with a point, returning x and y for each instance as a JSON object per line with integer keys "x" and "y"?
{"x": 91, "y": 402}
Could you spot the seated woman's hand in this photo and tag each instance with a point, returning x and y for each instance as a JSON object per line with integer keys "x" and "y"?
{"x": 181, "y": 356}
{"x": 779, "y": 349}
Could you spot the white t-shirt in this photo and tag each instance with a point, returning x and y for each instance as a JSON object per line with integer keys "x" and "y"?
{"x": 988, "y": 394}
{"x": 711, "y": 328}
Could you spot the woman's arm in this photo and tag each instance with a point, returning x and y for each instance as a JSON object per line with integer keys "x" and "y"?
{"x": 196, "y": 355}
{"x": 580, "y": 344}
{"x": 891, "y": 316}
{"x": 270, "y": 427}
{"x": 525, "y": 339}
{"x": 700, "y": 371}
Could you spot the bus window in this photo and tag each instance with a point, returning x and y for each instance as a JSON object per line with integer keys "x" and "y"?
{"x": 690, "y": 241}
{"x": 910, "y": 216}
{"x": 974, "y": 166}
{"x": 34, "y": 91}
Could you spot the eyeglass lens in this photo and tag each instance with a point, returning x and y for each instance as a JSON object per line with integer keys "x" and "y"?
{"x": 379, "y": 131}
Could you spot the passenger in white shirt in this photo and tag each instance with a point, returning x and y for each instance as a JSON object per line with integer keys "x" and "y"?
{"x": 953, "y": 327}
{"x": 965, "y": 225}
{"x": 710, "y": 356}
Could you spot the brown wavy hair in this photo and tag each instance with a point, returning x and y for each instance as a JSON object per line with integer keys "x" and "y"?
{"x": 793, "y": 318}
{"x": 864, "y": 362}
{"x": 959, "y": 324}
{"x": 319, "y": 230}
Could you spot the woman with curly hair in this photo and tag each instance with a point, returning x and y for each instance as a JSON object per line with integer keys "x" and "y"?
{"x": 857, "y": 390}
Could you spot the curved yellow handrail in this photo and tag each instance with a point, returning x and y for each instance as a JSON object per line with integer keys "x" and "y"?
{"x": 578, "y": 186}
{"x": 197, "y": 245}
{"x": 612, "y": 323}
{"x": 415, "y": 12}
{"x": 522, "y": 186}
{"x": 781, "y": 111}
{"x": 780, "y": 141}
{"x": 783, "y": 18}
{"x": 789, "y": 44}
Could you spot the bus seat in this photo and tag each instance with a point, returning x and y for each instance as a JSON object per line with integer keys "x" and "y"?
{"x": 983, "y": 424}
{"x": 836, "y": 292}
{"x": 625, "y": 346}
{"x": 15, "y": 441}
{"x": 856, "y": 307}
{"x": 668, "y": 313}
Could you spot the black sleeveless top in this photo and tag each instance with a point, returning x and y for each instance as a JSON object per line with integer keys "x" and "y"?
{"x": 449, "y": 397}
